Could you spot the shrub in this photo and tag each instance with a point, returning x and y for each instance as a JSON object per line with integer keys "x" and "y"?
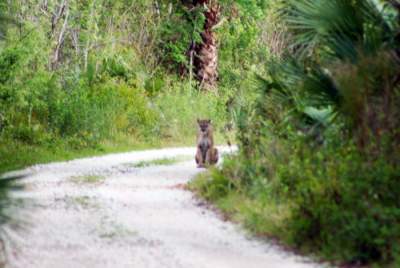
{"x": 341, "y": 202}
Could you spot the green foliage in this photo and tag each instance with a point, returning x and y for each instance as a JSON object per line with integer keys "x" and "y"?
{"x": 178, "y": 32}
{"x": 180, "y": 107}
{"x": 317, "y": 138}
{"x": 100, "y": 76}
{"x": 342, "y": 205}
{"x": 108, "y": 74}
{"x": 8, "y": 205}
{"x": 340, "y": 28}
{"x": 213, "y": 187}
{"x": 161, "y": 162}
{"x": 5, "y": 20}
{"x": 7, "y": 185}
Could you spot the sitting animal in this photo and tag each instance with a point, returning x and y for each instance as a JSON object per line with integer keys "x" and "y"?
{"x": 206, "y": 154}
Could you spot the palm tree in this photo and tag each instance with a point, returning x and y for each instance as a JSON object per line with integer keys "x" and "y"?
{"x": 346, "y": 62}
{"x": 205, "y": 59}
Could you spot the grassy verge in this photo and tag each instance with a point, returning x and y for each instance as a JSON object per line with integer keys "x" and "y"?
{"x": 264, "y": 218}
{"x": 353, "y": 231}
{"x": 16, "y": 155}
{"x": 88, "y": 179}
{"x": 261, "y": 218}
{"x": 166, "y": 161}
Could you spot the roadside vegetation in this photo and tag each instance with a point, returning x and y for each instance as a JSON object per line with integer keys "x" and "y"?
{"x": 319, "y": 160}
{"x": 88, "y": 179}
{"x": 167, "y": 161}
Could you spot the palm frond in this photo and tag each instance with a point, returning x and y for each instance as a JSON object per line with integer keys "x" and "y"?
{"x": 323, "y": 116}
{"x": 340, "y": 27}
{"x": 319, "y": 88}
{"x": 306, "y": 92}
{"x": 7, "y": 184}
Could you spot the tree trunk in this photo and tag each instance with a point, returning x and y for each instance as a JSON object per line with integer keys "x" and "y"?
{"x": 205, "y": 61}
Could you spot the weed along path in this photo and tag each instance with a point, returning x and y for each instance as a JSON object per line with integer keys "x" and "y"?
{"x": 129, "y": 210}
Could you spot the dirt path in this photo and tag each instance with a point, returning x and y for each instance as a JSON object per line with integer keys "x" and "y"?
{"x": 105, "y": 212}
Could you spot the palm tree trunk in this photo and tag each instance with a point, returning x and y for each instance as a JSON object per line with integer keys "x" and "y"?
{"x": 206, "y": 60}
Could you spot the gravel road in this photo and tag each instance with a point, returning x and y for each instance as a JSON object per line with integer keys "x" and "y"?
{"x": 108, "y": 212}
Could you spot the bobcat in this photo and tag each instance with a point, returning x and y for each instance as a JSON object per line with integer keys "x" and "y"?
{"x": 206, "y": 154}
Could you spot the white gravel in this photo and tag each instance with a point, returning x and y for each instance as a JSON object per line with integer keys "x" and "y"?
{"x": 135, "y": 217}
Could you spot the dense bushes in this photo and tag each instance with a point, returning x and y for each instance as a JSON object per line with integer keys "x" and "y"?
{"x": 337, "y": 200}
{"x": 92, "y": 112}
{"x": 37, "y": 102}
{"x": 319, "y": 159}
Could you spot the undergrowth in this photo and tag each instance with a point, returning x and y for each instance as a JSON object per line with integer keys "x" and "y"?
{"x": 345, "y": 211}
